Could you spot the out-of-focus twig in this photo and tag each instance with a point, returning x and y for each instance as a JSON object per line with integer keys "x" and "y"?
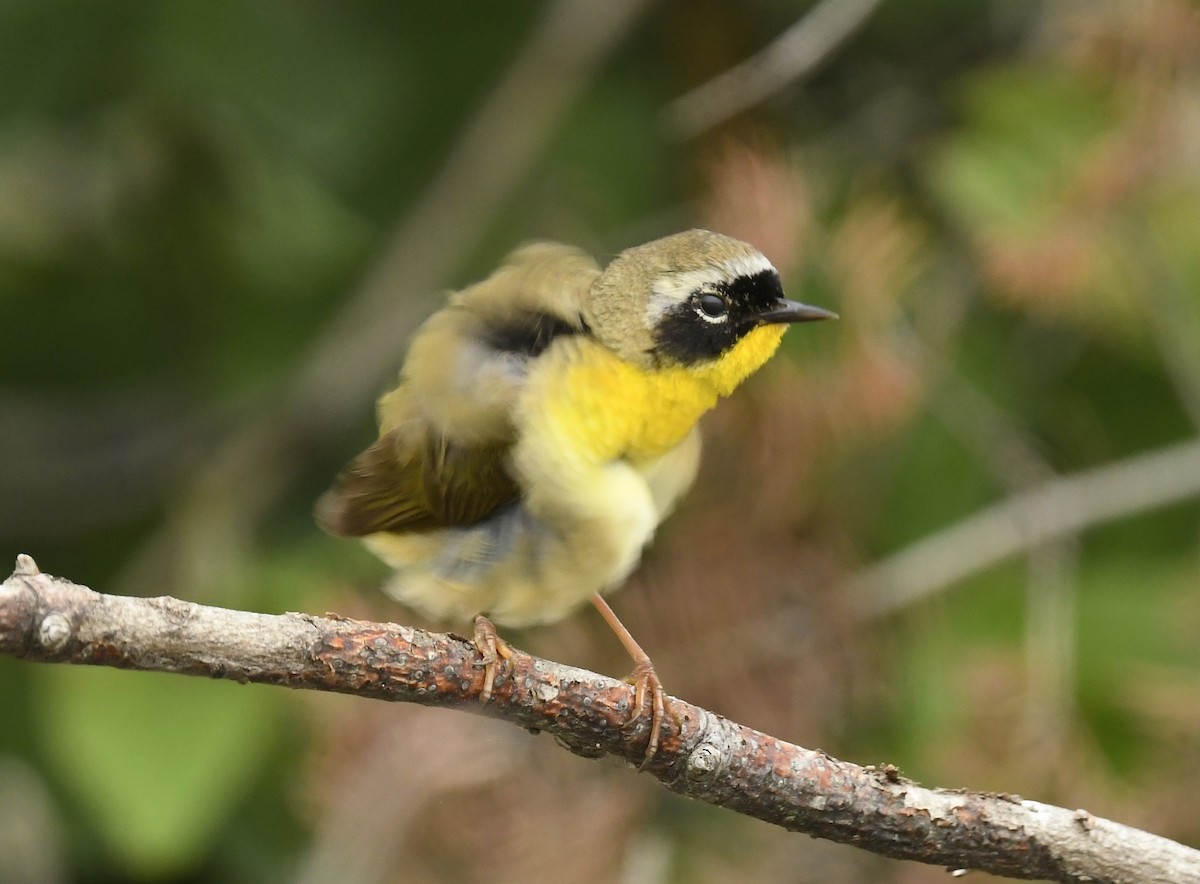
{"x": 1058, "y": 508}
{"x": 701, "y": 755}
{"x": 795, "y": 53}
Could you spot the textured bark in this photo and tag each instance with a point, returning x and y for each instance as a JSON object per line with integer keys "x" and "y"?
{"x": 701, "y": 755}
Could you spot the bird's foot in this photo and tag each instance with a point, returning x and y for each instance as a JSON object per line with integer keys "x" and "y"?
{"x": 643, "y": 678}
{"x": 646, "y": 685}
{"x": 492, "y": 651}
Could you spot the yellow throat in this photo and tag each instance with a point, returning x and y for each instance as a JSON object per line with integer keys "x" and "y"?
{"x": 598, "y": 407}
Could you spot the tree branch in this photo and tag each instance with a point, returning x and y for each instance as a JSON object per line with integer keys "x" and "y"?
{"x": 1055, "y": 509}
{"x": 795, "y": 53}
{"x": 701, "y": 755}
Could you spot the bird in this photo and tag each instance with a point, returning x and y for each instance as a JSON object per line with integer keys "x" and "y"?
{"x": 544, "y": 425}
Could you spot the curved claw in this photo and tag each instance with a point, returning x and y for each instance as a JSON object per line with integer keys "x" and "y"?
{"x": 645, "y": 681}
{"x": 492, "y": 650}
{"x": 643, "y": 678}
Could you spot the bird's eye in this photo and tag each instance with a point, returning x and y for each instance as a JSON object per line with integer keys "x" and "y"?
{"x": 713, "y": 306}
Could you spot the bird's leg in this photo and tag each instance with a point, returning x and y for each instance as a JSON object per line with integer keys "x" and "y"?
{"x": 643, "y": 678}
{"x": 492, "y": 649}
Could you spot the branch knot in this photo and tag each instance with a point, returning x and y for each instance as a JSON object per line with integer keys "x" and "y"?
{"x": 54, "y": 632}
{"x": 704, "y": 763}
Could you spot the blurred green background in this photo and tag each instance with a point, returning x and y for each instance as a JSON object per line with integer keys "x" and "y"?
{"x": 219, "y": 223}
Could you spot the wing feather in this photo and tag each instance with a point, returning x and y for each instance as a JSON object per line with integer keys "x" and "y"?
{"x": 442, "y": 457}
{"x": 413, "y": 481}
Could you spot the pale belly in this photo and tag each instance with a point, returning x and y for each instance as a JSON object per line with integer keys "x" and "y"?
{"x": 538, "y": 560}
{"x": 522, "y": 569}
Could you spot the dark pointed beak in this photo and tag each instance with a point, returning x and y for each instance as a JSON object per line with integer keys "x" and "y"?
{"x": 793, "y": 311}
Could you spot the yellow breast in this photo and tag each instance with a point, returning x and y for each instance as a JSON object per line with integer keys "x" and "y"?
{"x": 598, "y": 407}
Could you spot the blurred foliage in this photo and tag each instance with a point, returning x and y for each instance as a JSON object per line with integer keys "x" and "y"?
{"x": 1002, "y": 200}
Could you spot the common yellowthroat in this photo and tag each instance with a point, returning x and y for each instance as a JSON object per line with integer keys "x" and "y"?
{"x": 546, "y": 423}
